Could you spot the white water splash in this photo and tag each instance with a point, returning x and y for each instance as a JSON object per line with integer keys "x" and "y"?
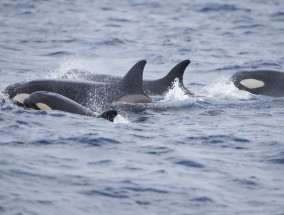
{"x": 120, "y": 119}
{"x": 225, "y": 91}
{"x": 75, "y": 62}
{"x": 96, "y": 65}
{"x": 176, "y": 93}
{"x": 176, "y": 97}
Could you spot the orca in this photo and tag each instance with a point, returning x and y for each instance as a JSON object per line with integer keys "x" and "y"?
{"x": 155, "y": 87}
{"x": 89, "y": 94}
{"x": 260, "y": 82}
{"x": 48, "y": 101}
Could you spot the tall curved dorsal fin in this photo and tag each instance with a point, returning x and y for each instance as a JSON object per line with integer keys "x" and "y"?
{"x": 132, "y": 82}
{"x": 176, "y": 72}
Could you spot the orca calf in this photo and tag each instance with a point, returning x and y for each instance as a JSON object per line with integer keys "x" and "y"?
{"x": 52, "y": 101}
{"x": 128, "y": 89}
{"x": 260, "y": 82}
{"x": 155, "y": 87}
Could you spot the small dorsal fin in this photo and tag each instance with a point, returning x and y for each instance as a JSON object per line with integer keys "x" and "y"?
{"x": 132, "y": 82}
{"x": 176, "y": 72}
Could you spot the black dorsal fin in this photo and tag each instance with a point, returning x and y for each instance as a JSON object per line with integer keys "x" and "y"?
{"x": 176, "y": 72}
{"x": 132, "y": 82}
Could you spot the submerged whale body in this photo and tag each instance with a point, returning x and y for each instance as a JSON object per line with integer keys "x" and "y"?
{"x": 155, "y": 87}
{"x": 260, "y": 82}
{"x": 48, "y": 101}
{"x": 98, "y": 95}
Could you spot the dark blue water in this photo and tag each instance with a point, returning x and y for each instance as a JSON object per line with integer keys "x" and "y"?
{"x": 221, "y": 152}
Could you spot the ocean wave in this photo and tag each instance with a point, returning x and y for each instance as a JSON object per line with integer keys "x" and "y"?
{"x": 59, "y": 53}
{"x": 217, "y": 7}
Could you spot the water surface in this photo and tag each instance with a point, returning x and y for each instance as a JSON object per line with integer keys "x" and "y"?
{"x": 221, "y": 152}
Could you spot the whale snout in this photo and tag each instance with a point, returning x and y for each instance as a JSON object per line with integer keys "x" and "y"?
{"x": 12, "y": 90}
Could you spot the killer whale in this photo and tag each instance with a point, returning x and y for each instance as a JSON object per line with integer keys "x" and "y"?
{"x": 151, "y": 87}
{"x": 86, "y": 93}
{"x": 48, "y": 101}
{"x": 260, "y": 82}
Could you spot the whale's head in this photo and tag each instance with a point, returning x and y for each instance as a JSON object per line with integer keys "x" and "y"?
{"x": 260, "y": 82}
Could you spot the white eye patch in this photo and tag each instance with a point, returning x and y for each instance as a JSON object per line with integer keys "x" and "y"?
{"x": 21, "y": 97}
{"x": 43, "y": 106}
{"x": 252, "y": 83}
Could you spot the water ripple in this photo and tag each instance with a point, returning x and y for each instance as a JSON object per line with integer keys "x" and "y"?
{"x": 189, "y": 163}
{"x": 59, "y": 53}
{"x": 215, "y": 7}
{"x": 110, "y": 42}
{"x": 91, "y": 141}
{"x": 108, "y": 192}
{"x": 143, "y": 190}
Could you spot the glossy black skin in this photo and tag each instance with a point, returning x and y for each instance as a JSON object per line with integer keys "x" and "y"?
{"x": 83, "y": 93}
{"x": 58, "y": 102}
{"x": 155, "y": 87}
{"x": 273, "y": 82}
{"x": 88, "y": 93}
